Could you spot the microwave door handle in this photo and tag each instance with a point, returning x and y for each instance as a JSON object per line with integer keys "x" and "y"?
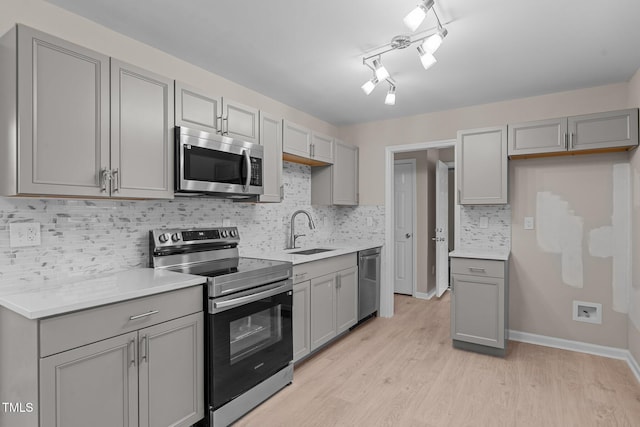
{"x": 247, "y": 162}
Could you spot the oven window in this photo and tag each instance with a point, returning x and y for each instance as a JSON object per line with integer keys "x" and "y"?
{"x": 253, "y": 333}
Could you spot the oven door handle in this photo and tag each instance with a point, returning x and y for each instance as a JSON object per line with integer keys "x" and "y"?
{"x": 218, "y": 306}
{"x": 247, "y": 162}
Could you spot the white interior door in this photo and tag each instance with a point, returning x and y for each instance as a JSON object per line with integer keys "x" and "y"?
{"x": 442, "y": 228}
{"x": 404, "y": 193}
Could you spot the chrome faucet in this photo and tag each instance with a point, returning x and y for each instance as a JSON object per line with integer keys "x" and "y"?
{"x": 292, "y": 232}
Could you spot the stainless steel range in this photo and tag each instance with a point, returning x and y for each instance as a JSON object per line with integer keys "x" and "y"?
{"x": 248, "y": 333}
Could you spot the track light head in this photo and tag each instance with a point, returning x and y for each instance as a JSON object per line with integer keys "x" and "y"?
{"x": 433, "y": 42}
{"x": 369, "y": 85}
{"x": 381, "y": 72}
{"x": 426, "y": 58}
{"x": 391, "y": 96}
{"x": 417, "y": 15}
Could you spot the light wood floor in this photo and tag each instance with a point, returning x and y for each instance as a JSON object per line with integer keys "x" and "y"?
{"x": 404, "y": 372}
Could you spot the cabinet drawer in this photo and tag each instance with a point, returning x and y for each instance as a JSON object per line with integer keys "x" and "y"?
{"x": 72, "y": 330}
{"x": 310, "y": 270}
{"x": 477, "y": 267}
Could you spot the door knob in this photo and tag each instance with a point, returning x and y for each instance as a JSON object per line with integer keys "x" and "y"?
{"x": 407, "y": 235}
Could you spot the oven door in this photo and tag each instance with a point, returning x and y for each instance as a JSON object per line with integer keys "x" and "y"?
{"x": 251, "y": 339}
{"x": 209, "y": 163}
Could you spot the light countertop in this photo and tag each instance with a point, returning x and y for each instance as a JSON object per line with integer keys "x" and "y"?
{"x": 337, "y": 249}
{"x": 502, "y": 255}
{"x": 56, "y": 298}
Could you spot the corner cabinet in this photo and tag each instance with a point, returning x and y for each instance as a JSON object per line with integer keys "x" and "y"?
{"x": 84, "y": 122}
{"x": 215, "y": 114}
{"x": 481, "y": 166}
{"x": 337, "y": 184}
{"x": 479, "y": 305}
{"x": 325, "y": 302}
{"x": 608, "y": 131}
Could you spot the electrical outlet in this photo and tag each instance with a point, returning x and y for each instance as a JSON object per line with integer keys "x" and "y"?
{"x": 369, "y": 221}
{"x": 590, "y": 312}
{"x": 24, "y": 234}
{"x": 226, "y": 222}
{"x": 484, "y": 222}
{"x": 528, "y": 223}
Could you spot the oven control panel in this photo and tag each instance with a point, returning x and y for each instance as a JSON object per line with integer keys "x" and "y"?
{"x": 165, "y": 238}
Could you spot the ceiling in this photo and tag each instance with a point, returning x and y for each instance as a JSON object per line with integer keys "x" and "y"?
{"x": 308, "y": 53}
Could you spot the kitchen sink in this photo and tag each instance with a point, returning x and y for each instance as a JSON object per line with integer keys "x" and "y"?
{"x": 311, "y": 251}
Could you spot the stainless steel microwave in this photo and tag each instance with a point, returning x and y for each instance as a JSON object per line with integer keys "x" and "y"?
{"x": 218, "y": 166}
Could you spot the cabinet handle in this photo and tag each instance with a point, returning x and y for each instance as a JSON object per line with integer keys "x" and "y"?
{"x": 478, "y": 269}
{"x": 140, "y": 316}
{"x": 566, "y": 141}
{"x": 219, "y": 126}
{"x": 458, "y": 196}
{"x": 571, "y": 141}
{"x": 105, "y": 176}
{"x": 144, "y": 349}
{"x": 116, "y": 180}
{"x": 131, "y": 349}
{"x": 225, "y": 131}
{"x": 338, "y": 282}
{"x": 312, "y": 150}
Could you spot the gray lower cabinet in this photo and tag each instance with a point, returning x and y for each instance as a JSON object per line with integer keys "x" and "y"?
{"x": 134, "y": 363}
{"x": 325, "y": 302}
{"x": 481, "y": 166}
{"x": 301, "y": 319}
{"x": 337, "y": 184}
{"x": 80, "y": 122}
{"x": 479, "y": 309}
{"x": 608, "y": 131}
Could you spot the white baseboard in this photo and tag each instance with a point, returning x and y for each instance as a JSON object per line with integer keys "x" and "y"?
{"x": 428, "y": 295}
{"x": 581, "y": 347}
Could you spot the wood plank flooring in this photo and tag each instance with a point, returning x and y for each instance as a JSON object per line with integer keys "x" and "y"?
{"x": 403, "y": 372}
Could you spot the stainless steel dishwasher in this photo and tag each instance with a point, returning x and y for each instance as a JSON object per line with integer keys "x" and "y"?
{"x": 368, "y": 282}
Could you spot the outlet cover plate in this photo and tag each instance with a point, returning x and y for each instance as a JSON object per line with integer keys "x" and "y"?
{"x": 23, "y": 234}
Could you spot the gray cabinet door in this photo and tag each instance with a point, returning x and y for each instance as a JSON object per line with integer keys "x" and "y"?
{"x": 194, "y": 109}
{"x": 544, "y": 136}
{"x": 345, "y": 174}
{"x": 63, "y": 106}
{"x": 141, "y": 133}
{"x": 604, "y": 130}
{"x": 322, "y": 147}
{"x": 477, "y": 310}
{"x": 323, "y": 309}
{"x": 95, "y": 385}
{"x": 240, "y": 121}
{"x": 171, "y": 372}
{"x": 301, "y": 320}
{"x": 346, "y": 299}
{"x": 296, "y": 139}
{"x": 271, "y": 141}
{"x": 481, "y": 166}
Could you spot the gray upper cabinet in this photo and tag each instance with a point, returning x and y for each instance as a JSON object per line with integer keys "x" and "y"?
{"x": 481, "y": 166}
{"x": 215, "y": 114}
{"x": 609, "y": 131}
{"x": 84, "y": 125}
{"x": 141, "y": 133}
{"x": 271, "y": 141}
{"x": 302, "y": 145}
{"x": 337, "y": 184}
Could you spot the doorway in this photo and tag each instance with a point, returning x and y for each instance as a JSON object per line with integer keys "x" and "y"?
{"x": 392, "y": 154}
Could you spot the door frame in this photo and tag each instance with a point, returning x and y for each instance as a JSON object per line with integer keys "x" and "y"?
{"x": 414, "y": 224}
{"x": 388, "y": 256}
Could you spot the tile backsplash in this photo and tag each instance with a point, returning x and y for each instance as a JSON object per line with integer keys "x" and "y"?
{"x": 497, "y": 234}
{"x": 85, "y": 237}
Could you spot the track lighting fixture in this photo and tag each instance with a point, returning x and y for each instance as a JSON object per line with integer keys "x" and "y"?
{"x": 391, "y": 96}
{"x": 428, "y": 45}
{"x": 370, "y": 85}
{"x": 417, "y": 15}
